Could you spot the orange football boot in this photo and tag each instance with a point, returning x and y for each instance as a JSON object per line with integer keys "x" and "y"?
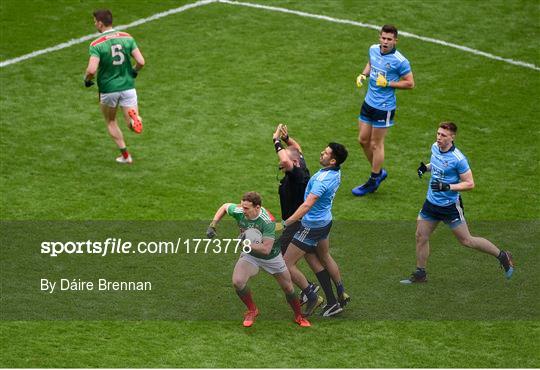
{"x": 249, "y": 317}
{"x": 136, "y": 121}
{"x": 302, "y": 321}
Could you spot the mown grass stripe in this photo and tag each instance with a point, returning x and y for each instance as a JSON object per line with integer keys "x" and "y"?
{"x": 376, "y": 27}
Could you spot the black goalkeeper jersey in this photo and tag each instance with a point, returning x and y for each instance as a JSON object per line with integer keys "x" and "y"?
{"x": 292, "y": 188}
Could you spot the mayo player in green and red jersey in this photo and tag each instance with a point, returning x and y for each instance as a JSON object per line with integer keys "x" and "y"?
{"x": 266, "y": 255}
{"x": 110, "y": 58}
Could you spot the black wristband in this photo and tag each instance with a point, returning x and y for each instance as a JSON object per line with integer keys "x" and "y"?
{"x": 277, "y": 145}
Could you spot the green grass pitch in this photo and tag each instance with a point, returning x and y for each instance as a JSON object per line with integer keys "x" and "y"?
{"x": 218, "y": 79}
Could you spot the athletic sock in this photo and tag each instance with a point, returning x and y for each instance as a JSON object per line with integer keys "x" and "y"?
{"x": 503, "y": 260}
{"x": 124, "y": 152}
{"x": 245, "y": 296}
{"x": 501, "y": 257}
{"x": 371, "y": 181}
{"x": 326, "y": 284}
{"x": 420, "y": 271}
{"x": 293, "y": 301}
{"x": 340, "y": 288}
{"x": 375, "y": 175}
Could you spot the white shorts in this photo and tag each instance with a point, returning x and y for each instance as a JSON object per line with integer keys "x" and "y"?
{"x": 273, "y": 266}
{"x": 126, "y": 98}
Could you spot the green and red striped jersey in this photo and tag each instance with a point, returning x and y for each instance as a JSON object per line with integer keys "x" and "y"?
{"x": 113, "y": 48}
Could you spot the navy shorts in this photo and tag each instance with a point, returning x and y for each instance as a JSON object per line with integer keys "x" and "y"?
{"x": 287, "y": 236}
{"x": 306, "y": 238}
{"x": 452, "y": 215}
{"x": 376, "y": 117}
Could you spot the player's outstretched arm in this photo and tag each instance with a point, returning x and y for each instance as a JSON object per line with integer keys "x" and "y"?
{"x": 289, "y": 140}
{"x": 284, "y": 160}
{"x": 302, "y": 210}
{"x": 212, "y": 228}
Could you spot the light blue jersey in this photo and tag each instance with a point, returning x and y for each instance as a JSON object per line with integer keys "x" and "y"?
{"x": 446, "y": 167}
{"x": 323, "y": 184}
{"x": 393, "y": 66}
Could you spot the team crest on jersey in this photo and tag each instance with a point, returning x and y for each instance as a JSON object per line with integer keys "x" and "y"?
{"x": 388, "y": 66}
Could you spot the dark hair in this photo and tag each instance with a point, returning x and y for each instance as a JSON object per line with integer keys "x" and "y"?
{"x": 339, "y": 153}
{"x": 389, "y": 28}
{"x": 104, "y": 16}
{"x": 253, "y": 197}
{"x": 450, "y": 126}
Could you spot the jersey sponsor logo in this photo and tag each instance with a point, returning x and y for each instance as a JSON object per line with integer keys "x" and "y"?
{"x": 438, "y": 173}
{"x": 375, "y": 72}
{"x": 249, "y": 225}
{"x": 111, "y": 36}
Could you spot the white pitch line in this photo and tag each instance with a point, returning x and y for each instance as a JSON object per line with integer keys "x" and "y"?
{"x": 271, "y": 8}
{"x": 72, "y": 42}
{"x": 367, "y": 25}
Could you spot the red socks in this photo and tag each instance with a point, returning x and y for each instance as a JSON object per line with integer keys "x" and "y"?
{"x": 125, "y": 153}
{"x": 245, "y": 296}
{"x": 293, "y": 300}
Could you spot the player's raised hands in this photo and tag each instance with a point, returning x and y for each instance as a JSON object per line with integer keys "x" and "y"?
{"x": 284, "y": 133}
{"x": 277, "y": 133}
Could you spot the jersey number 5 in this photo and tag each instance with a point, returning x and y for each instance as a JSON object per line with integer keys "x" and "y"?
{"x": 116, "y": 51}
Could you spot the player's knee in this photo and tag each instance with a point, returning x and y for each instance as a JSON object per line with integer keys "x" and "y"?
{"x": 421, "y": 238}
{"x": 289, "y": 289}
{"x": 238, "y": 283}
{"x": 364, "y": 141}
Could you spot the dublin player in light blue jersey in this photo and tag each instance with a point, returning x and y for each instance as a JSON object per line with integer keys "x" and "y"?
{"x": 312, "y": 237}
{"x": 387, "y": 70}
{"x": 450, "y": 174}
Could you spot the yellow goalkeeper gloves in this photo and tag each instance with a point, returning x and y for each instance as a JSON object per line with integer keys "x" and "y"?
{"x": 360, "y": 80}
{"x": 381, "y": 80}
